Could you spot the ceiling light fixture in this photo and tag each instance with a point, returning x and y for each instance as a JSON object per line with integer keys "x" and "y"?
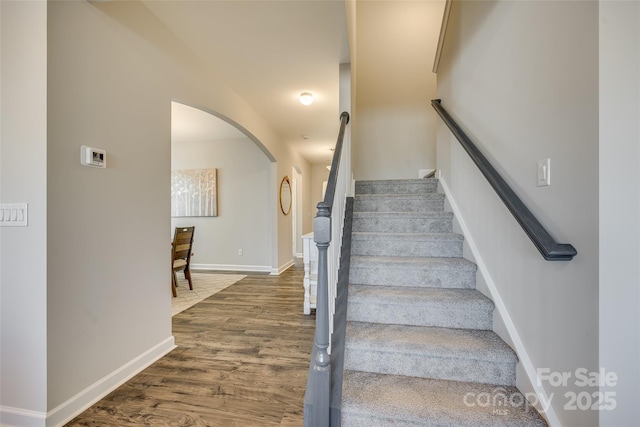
{"x": 306, "y": 98}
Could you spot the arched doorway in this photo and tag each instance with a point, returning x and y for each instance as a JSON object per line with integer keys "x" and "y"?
{"x": 239, "y": 237}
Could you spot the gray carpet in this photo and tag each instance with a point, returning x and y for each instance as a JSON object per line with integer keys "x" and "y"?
{"x": 420, "y": 350}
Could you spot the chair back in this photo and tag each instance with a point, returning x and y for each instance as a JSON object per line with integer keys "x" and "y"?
{"x": 182, "y": 244}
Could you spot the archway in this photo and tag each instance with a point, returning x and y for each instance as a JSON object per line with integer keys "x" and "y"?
{"x": 239, "y": 237}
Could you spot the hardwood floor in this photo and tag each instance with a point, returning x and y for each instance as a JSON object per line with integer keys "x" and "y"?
{"x": 242, "y": 360}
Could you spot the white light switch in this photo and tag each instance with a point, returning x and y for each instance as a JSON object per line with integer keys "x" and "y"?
{"x": 544, "y": 172}
{"x": 13, "y": 215}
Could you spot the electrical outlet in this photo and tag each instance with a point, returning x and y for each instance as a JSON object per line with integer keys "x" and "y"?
{"x": 544, "y": 172}
{"x": 240, "y": 252}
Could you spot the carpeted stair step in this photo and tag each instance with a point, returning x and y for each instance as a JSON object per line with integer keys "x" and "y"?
{"x": 407, "y": 244}
{"x": 428, "y": 352}
{"x": 447, "y": 308}
{"x": 420, "y": 350}
{"x": 371, "y": 399}
{"x": 403, "y": 222}
{"x": 397, "y": 186}
{"x": 429, "y": 202}
{"x": 413, "y": 272}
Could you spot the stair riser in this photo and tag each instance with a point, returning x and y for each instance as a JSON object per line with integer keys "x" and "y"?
{"x": 398, "y": 205}
{"x": 368, "y": 420}
{"x": 416, "y": 365}
{"x": 383, "y": 276}
{"x": 403, "y": 225}
{"x": 443, "y": 315}
{"x": 406, "y": 248}
{"x": 382, "y": 187}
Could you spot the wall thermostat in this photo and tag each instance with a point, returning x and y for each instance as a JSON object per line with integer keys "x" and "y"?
{"x": 93, "y": 157}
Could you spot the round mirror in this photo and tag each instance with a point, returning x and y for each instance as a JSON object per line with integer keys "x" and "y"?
{"x": 285, "y": 195}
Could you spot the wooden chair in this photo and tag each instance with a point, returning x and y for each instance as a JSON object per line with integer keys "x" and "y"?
{"x": 181, "y": 255}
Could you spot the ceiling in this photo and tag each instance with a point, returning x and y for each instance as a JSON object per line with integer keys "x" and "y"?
{"x": 269, "y": 52}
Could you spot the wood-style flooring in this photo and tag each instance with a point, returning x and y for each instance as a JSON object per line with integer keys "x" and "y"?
{"x": 242, "y": 360}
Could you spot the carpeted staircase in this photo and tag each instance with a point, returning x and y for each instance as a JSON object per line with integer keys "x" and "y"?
{"x": 419, "y": 347}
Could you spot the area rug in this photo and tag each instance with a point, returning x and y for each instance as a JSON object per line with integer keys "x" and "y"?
{"x": 204, "y": 285}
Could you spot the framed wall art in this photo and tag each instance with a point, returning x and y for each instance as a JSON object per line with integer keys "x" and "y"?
{"x": 194, "y": 192}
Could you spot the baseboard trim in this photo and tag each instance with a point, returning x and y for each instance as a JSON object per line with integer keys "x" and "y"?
{"x": 282, "y": 268}
{"x": 16, "y": 417}
{"x": 231, "y": 267}
{"x": 77, "y": 404}
{"x": 527, "y": 364}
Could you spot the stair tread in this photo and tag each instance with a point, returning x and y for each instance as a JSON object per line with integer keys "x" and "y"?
{"x": 379, "y": 399}
{"x": 399, "y": 202}
{"x": 363, "y": 196}
{"x": 423, "y": 296}
{"x": 397, "y": 181}
{"x": 427, "y": 341}
{"x": 397, "y": 262}
{"x": 372, "y": 235}
{"x": 407, "y": 186}
{"x": 388, "y": 214}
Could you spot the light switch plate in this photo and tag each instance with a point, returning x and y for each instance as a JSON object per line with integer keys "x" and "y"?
{"x": 13, "y": 215}
{"x": 544, "y": 172}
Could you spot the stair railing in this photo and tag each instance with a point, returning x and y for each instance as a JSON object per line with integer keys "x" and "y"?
{"x": 327, "y": 228}
{"x": 548, "y": 247}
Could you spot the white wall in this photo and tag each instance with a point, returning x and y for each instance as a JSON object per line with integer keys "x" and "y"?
{"x": 112, "y": 87}
{"x": 319, "y": 174}
{"x": 297, "y": 209}
{"x": 23, "y": 174}
{"x": 620, "y": 207}
{"x": 352, "y": 29}
{"x": 522, "y": 79}
{"x": 395, "y": 130}
{"x": 243, "y": 198}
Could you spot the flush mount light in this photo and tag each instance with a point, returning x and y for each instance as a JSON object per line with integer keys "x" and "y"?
{"x": 306, "y": 98}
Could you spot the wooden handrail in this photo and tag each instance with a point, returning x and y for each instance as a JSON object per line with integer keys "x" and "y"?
{"x": 548, "y": 247}
{"x": 335, "y": 163}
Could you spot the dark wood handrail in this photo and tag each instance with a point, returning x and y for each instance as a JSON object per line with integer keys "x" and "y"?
{"x": 335, "y": 163}
{"x": 548, "y": 247}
